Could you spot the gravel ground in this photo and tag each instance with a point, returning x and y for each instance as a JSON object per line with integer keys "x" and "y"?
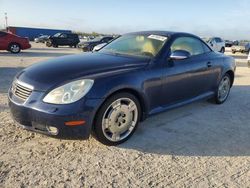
{"x": 199, "y": 145}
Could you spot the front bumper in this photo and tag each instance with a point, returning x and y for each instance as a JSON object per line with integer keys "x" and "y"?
{"x": 35, "y": 115}
{"x": 26, "y": 46}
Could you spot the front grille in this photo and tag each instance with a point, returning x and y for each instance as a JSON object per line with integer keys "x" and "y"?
{"x": 21, "y": 90}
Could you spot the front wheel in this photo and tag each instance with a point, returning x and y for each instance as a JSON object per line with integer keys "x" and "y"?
{"x": 14, "y": 48}
{"x": 48, "y": 44}
{"x": 223, "y": 89}
{"x": 117, "y": 119}
{"x": 222, "y": 50}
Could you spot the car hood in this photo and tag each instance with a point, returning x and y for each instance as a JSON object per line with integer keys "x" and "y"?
{"x": 42, "y": 76}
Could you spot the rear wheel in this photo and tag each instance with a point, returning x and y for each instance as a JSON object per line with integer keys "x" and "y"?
{"x": 48, "y": 44}
{"x": 117, "y": 119}
{"x": 223, "y": 89}
{"x": 222, "y": 50}
{"x": 14, "y": 48}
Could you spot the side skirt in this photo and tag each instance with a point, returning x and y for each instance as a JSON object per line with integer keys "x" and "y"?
{"x": 182, "y": 103}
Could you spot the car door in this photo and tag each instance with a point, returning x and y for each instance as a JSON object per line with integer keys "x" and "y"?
{"x": 62, "y": 39}
{"x": 187, "y": 78}
{"x": 219, "y": 44}
{"x": 213, "y": 45}
{"x": 70, "y": 39}
{"x": 3, "y": 41}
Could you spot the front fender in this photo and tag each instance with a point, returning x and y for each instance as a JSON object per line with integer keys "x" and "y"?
{"x": 131, "y": 81}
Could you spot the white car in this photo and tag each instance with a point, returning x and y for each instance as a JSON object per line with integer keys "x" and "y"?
{"x": 216, "y": 43}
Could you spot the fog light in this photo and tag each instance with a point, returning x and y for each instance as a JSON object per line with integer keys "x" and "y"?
{"x": 52, "y": 130}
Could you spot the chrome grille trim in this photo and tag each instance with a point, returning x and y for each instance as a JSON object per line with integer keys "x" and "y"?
{"x": 21, "y": 90}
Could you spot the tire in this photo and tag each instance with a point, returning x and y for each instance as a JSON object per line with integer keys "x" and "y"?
{"x": 14, "y": 48}
{"x": 233, "y": 52}
{"x": 115, "y": 123}
{"x": 223, "y": 91}
{"x": 48, "y": 44}
{"x": 222, "y": 50}
{"x": 91, "y": 48}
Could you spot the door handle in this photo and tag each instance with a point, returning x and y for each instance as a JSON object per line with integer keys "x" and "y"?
{"x": 209, "y": 64}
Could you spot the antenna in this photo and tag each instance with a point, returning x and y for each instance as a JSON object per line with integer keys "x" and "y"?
{"x": 6, "y": 20}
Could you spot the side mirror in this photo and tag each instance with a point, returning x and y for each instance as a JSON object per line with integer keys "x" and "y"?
{"x": 179, "y": 55}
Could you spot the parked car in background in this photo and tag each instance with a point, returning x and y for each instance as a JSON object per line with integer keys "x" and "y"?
{"x": 42, "y": 39}
{"x": 243, "y": 47}
{"x": 13, "y": 43}
{"x": 107, "y": 93}
{"x": 216, "y": 43}
{"x": 248, "y": 60}
{"x": 63, "y": 39}
{"x": 228, "y": 43}
{"x": 236, "y": 42}
{"x": 89, "y": 45}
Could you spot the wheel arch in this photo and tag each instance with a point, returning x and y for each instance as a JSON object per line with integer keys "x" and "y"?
{"x": 14, "y": 43}
{"x": 231, "y": 74}
{"x": 137, "y": 94}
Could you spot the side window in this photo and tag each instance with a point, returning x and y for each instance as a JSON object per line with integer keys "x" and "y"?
{"x": 106, "y": 40}
{"x": 2, "y": 34}
{"x": 109, "y": 39}
{"x": 63, "y": 36}
{"x": 190, "y": 44}
{"x": 206, "y": 49}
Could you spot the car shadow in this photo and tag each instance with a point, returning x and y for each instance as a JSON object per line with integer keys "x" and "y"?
{"x": 198, "y": 129}
{"x": 242, "y": 64}
{"x": 244, "y": 56}
{"x": 35, "y": 54}
{"x": 7, "y": 74}
{"x": 45, "y": 48}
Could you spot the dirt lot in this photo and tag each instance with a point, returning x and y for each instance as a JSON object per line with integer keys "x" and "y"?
{"x": 199, "y": 145}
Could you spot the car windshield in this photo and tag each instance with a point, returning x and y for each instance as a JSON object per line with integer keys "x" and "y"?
{"x": 44, "y": 36}
{"x": 57, "y": 34}
{"x": 207, "y": 40}
{"x": 136, "y": 45}
{"x": 97, "y": 39}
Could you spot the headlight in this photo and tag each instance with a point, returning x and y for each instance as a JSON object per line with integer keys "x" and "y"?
{"x": 85, "y": 44}
{"x": 69, "y": 92}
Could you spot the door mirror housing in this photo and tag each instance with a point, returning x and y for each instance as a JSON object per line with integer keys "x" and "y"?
{"x": 179, "y": 55}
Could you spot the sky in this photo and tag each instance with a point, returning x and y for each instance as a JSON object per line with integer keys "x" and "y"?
{"x": 229, "y": 19}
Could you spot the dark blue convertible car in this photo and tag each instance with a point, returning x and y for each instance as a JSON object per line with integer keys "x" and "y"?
{"x": 108, "y": 92}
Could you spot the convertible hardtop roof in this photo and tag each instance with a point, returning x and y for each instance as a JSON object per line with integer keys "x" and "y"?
{"x": 162, "y": 33}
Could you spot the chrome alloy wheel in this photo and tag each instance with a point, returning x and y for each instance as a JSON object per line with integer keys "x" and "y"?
{"x": 119, "y": 119}
{"x": 224, "y": 88}
{"x": 15, "y": 48}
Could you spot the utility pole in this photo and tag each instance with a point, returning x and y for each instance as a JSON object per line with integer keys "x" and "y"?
{"x": 6, "y": 20}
